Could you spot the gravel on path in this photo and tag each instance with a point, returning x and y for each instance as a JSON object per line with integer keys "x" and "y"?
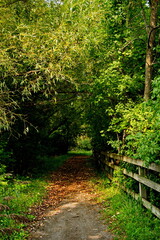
{"x": 70, "y": 212}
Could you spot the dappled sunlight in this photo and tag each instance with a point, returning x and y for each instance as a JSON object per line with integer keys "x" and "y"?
{"x": 95, "y": 237}
{"x": 72, "y": 212}
{"x": 73, "y": 219}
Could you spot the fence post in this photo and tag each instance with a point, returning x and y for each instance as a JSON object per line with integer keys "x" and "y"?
{"x": 142, "y": 190}
{"x": 106, "y": 166}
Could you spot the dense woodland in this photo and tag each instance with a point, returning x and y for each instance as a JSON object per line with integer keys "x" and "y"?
{"x": 78, "y": 68}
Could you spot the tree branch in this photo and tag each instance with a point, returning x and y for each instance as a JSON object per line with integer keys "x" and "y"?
{"x": 144, "y": 16}
{"x": 150, "y": 33}
{"x": 10, "y": 3}
{"x": 128, "y": 43}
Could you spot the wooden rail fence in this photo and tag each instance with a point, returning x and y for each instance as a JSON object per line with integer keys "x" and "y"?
{"x": 111, "y": 162}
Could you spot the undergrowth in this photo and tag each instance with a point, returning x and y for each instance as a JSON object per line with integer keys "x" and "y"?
{"x": 48, "y": 164}
{"x": 15, "y": 200}
{"x": 126, "y": 218}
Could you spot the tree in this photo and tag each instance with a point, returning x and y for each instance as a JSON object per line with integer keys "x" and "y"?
{"x": 49, "y": 55}
{"x": 151, "y": 32}
{"x": 44, "y": 45}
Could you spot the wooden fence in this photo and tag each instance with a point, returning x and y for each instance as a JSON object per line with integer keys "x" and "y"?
{"x": 111, "y": 162}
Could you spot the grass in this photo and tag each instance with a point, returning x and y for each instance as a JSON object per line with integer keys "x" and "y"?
{"x": 126, "y": 218}
{"x": 18, "y": 195}
{"x": 50, "y": 164}
{"x": 80, "y": 152}
{"x": 16, "y": 198}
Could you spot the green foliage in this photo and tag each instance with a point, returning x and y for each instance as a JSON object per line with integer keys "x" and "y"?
{"x": 80, "y": 152}
{"x": 48, "y": 164}
{"x": 49, "y": 53}
{"x": 46, "y": 49}
{"x": 4, "y": 154}
{"x": 56, "y": 132}
{"x": 118, "y": 86}
{"x": 19, "y": 197}
{"x": 126, "y": 218}
{"x": 20, "y": 194}
{"x": 2, "y": 175}
{"x": 137, "y": 129}
{"x": 83, "y": 143}
{"x": 80, "y": 63}
{"x": 64, "y": 66}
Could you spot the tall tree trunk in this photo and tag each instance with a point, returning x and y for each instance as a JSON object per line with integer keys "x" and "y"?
{"x": 149, "y": 50}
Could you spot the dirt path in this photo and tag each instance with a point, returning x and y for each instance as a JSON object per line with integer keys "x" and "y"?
{"x": 72, "y": 212}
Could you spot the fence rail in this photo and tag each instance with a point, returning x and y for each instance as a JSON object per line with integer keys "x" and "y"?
{"x": 111, "y": 162}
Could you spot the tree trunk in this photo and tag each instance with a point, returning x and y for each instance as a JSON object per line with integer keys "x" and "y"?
{"x": 149, "y": 50}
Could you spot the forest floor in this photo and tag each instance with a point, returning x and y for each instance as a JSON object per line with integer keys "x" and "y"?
{"x": 70, "y": 210}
